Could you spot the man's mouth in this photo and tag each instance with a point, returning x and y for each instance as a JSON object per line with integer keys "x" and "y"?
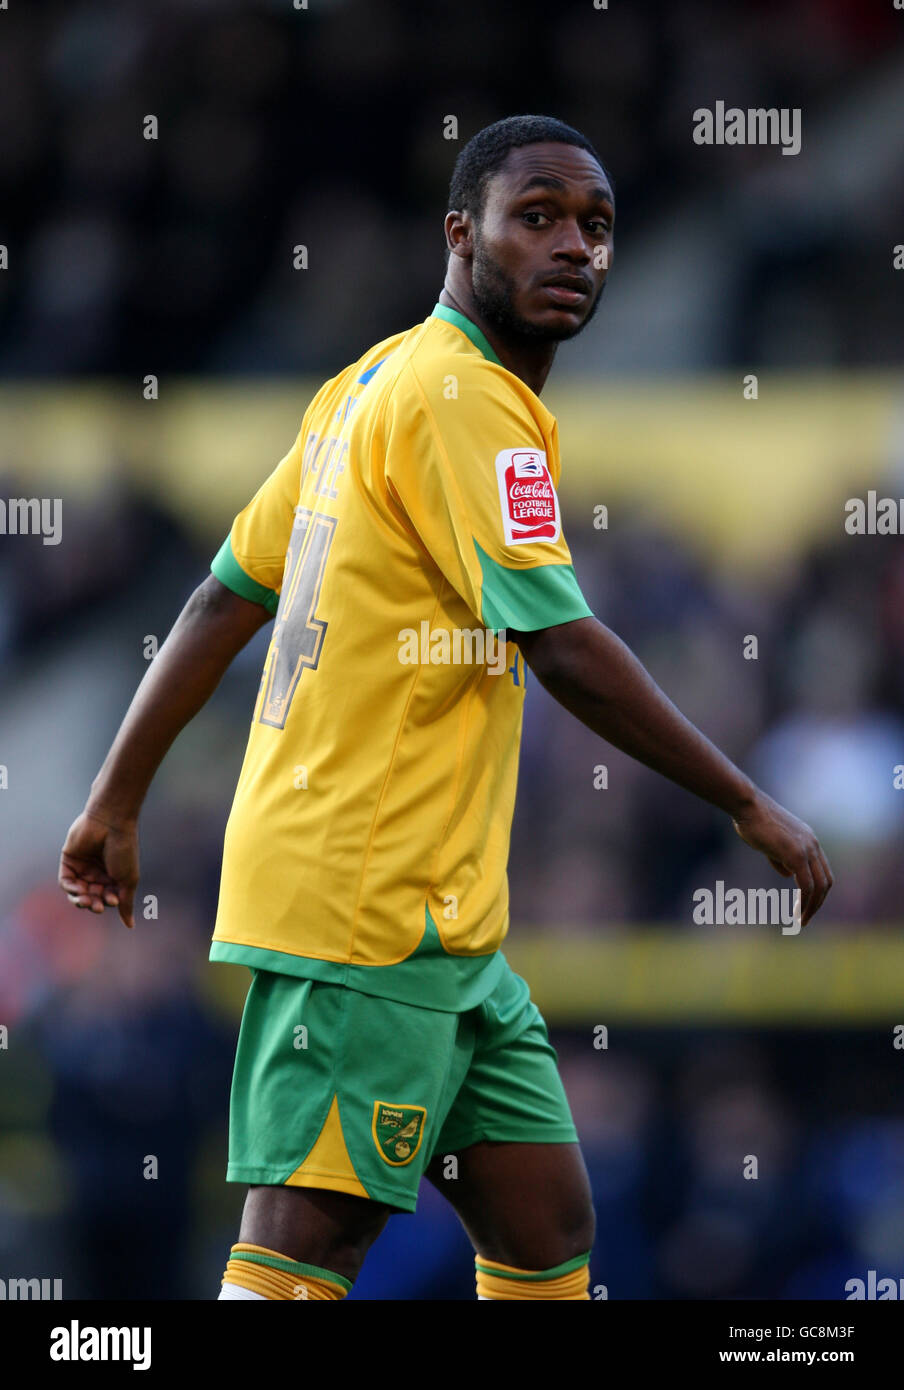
{"x": 568, "y": 290}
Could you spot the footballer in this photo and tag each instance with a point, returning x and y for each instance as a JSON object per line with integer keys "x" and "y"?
{"x": 364, "y": 864}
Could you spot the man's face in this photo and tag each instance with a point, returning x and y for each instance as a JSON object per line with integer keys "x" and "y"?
{"x": 543, "y": 244}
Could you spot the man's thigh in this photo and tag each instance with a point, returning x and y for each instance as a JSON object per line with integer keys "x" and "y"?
{"x": 329, "y": 1230}
{"x": 337, "y": 1100}
{"x": 525, "y": 1205}
{"x": 519, "y": 1183}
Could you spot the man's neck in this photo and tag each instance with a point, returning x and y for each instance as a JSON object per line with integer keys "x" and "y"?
{"x": 531, "y": 361}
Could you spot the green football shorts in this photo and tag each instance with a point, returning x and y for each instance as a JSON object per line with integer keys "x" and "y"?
{"x": 353, "y": 1093}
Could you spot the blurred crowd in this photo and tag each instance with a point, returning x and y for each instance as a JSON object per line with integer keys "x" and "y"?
{"x": 324, "y": 127}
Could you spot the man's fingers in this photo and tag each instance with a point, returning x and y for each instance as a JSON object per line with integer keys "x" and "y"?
{"x": 126, "y": 907}
{"x": 820, "y": 887}
{"x": 126, "y": 869}
{"x": 826, "y": 874}
{"x": 803, "y": 877}
{"x": 822, "y": 878}
{"x": 91, "y": 894}
{"x": 813, "y": 877}
{"x": 75, "y": 882}
{"x": 87, "y": 880}
{"x": 85, "y": 902}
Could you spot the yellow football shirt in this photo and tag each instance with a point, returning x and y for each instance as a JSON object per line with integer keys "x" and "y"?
{"x": 414, "y": 519}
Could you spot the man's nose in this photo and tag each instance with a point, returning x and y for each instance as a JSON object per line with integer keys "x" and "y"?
{"x": 574, "y": 245}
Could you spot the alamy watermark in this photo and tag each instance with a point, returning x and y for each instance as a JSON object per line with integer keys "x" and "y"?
{"x": 453, "y": 647}
{"x": 32, "y": 516}
{"x": 874, "y": 515}
{"x": 740, "y": 907}
{"x": 28, "y": 1290}
{"x": 757, "y": 125}
{"x": 874, "y": 1286}
{"x": 85, "y": 1343}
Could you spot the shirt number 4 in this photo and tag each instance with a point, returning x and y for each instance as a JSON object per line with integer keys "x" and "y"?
{"x": 297, "y": 635}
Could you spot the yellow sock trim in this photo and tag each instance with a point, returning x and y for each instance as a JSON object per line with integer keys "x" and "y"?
{"x": 504, "y": 1282}
{"x": 275, "y": 1276}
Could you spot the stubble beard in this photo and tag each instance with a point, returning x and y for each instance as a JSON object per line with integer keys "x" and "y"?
{"x": 494, "y": 293}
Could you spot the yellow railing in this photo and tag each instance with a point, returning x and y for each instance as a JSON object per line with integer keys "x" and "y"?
{"x": 726, "y": 975}
{"x": 747, "y": 482}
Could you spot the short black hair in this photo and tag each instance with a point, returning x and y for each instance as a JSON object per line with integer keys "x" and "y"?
{"x": 488, "y": 150}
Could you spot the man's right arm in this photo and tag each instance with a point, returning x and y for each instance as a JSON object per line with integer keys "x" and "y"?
{"x": 99, "y": 861}
{"x": 591, "y": 671}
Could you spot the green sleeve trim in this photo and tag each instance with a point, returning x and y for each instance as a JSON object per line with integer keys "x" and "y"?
{"x": 527, "y": 599}
{"x": 229, "y": 572}
{"x": 291, "y": 1267}
{"x": 534, "y": 1276}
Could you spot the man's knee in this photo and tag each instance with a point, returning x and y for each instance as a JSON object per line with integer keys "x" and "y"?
{"x": 567, "y": 1232}
{"x": 548, "y": 1261}
{"x": 584, "y": 1233}
{"x": 525, "y": 1205}
{"x": 331, "y": 1230}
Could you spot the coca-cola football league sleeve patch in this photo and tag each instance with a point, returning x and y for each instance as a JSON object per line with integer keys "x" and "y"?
{"x": 530, "y": 507}
{"x": 543, "y": 591}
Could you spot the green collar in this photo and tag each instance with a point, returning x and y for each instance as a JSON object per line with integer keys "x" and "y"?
{"x": 469, "y": 329}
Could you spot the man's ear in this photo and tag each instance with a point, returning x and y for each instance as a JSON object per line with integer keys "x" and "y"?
{"x": 459, "y": 234}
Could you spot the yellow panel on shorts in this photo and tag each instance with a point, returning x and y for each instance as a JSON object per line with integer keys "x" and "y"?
{"x": 328, "y": 1165}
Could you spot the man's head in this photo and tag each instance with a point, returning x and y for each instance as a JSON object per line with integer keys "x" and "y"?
{"x": 531, "y": 204}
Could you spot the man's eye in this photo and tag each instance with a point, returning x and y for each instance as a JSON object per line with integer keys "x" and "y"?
{"x": 601, "y": 228}
{"x": 535, "y": 214}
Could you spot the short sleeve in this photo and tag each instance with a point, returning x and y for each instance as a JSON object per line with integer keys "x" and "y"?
{"x": 472, "y": 475}
{"x": 252, "y": 558}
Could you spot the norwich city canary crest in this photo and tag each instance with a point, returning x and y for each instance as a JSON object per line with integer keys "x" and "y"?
{"x": 398, "y": 1131}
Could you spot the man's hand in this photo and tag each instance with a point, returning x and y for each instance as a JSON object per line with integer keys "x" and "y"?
{"x": 791, "y": 848}
{"x": 99, "y": 866}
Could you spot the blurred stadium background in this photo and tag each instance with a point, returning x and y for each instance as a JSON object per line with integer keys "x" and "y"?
{"x": 174, "y": 257}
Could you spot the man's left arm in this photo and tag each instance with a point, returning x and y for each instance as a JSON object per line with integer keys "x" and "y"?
{"x": 597, "y": 678}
